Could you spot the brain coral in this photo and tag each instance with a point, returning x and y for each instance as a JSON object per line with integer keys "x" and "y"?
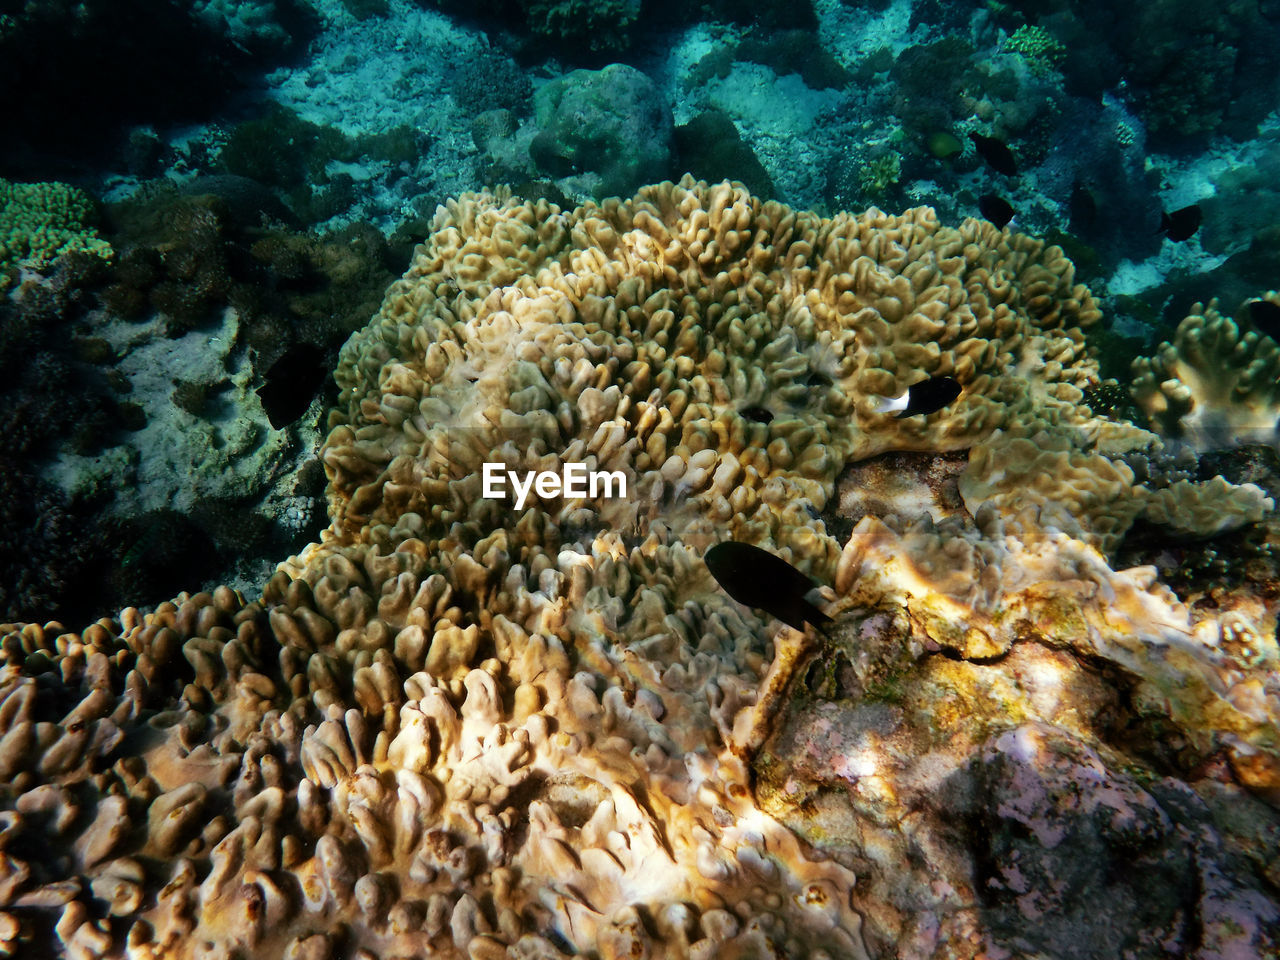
{"x": 459, "y": 729}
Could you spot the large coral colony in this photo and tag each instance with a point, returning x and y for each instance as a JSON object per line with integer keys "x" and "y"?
{"x": 451, "y": 728}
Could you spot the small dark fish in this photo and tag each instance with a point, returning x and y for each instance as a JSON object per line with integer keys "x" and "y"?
{"x": 1181, "y": 224}
{"x": 996, "y": 209}
{"x": 291, "y": 384}
{"x": 924, "y": 397}
{"x": 1083, "y": 209}
{"x": 998, "y": 156}
{"x": 757, "y": 578}
{"x": 1265, "y": 317}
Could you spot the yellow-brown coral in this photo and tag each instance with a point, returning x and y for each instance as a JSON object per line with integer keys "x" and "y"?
{"x": 456, "y": 729}
{"x": 655, "y": 336}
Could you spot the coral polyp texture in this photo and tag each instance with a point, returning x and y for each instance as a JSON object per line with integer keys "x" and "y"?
{"x": 41, "y": 221}
{"x": 1216, "y": 386}
{"x": 457, "y": 728}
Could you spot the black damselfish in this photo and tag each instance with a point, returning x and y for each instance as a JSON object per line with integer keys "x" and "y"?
{"x": 1083, "y": 209}
{"x": 1181, "y": 224}
{"x": 998, "y": 156}
{"x": 924, "y": 397}
{"x": 1265, "y": 317}
{"x": 292, "y": 383}
{"x": 757, "y": 578}
{"x": 996, "y": 209}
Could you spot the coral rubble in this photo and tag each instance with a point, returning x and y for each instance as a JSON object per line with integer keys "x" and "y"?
{"x": 453, "y": 728}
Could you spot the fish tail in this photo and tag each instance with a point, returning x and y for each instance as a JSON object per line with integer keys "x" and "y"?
{"x": 891, "y": 404}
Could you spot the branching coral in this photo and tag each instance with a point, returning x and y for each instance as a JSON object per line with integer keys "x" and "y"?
{"x": 460, "y": 729}
{"x": 1215, "y": 386}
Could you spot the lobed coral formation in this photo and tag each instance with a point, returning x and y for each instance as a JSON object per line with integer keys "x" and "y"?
{"x": 1215, "y": 386}
{"x": 455, "y": 728}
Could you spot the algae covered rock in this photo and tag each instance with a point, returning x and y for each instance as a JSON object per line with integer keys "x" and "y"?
{"x": 611, "y": 125}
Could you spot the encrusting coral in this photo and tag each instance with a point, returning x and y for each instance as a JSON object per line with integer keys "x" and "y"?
{"x": 459, "y": 729}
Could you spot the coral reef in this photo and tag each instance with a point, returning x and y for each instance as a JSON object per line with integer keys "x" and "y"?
{"x": 710, "y": 148}
{"x": 256, "y": 26}
{"x": 455, "y": 728}
{"x": 57, "y": 389}
{"x": 294, "y": 156}
{"x": 490, "y": 80}
{"x": 782, "y": 51}
{"x": 1190, "y": 70}
{"x": 1037, "y": 46}
{"x": 879, "y": 176}
{"x": 561, "y": 24}
{"x": 934, "y": 83}
{"x": 592, "y": 33}
{"x": 594, "y": 133}
{"x": 132, "y": 436}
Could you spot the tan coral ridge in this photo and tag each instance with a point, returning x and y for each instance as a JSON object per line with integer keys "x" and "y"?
{"x": 458, "y": 729}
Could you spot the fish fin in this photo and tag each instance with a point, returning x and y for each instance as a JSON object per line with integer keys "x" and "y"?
{"x": 817, "y": 617}
{"x": 800, "y": 611}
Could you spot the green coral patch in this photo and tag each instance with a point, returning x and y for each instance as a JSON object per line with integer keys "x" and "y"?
{"x": 39, "y": 222}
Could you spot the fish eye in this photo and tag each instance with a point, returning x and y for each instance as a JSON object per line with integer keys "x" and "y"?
{"x": 757, "y": 414}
